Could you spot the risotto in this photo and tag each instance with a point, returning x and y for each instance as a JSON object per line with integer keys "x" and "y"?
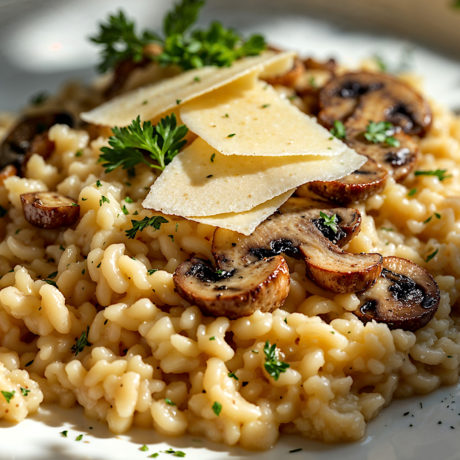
{"x": 91, "y": 317}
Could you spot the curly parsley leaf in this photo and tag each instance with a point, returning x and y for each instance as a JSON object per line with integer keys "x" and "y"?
{"x": 329, "y": 221}
{"x": 120, "y": 41}
{"x": 139, "y": 225}
{"x": 153, "y": 145}
{"x": 181, "y": 46}
{"x": 81, "y": 342}
{"x": 183, "y": 15}
{"x": 272, "y": 364}
{"x": 381, "y": 132}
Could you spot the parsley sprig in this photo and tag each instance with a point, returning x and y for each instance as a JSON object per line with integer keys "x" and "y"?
{"x": 381, "y": 132}
{"x": 272, "y": 364}
{"x": 329, "y": 221}
{"x": 139, "y": 225}
{"x": 180, "y": 45}
{"x": 153, "y": 145}
{"x": 120, "y": 41}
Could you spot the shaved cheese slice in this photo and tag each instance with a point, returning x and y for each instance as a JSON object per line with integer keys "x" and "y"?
{"x": 257, "y": 121}
{"x": 201, "y": 182}
{"x": 150, "y": 101}
{"x": 246, "y": 221}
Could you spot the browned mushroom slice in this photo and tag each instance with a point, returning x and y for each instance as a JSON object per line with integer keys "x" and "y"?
{"x": 17, "y": 142}
{"x": 262, "y": 285}
{"x": 357, "y": 186}
{"x": 404, "y": 297}
{"x": 49, "y": 209}
{"x": 309, "y": 234}
{"x": 330, "y": 65}
{"x": 379, "y": 96}
{"x": 289, "y": 78}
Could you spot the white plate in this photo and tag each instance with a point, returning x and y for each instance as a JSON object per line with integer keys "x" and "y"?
{"x": 42, "y": 45}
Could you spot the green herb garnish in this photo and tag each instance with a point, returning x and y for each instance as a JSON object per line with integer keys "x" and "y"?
{"x": 233, "y": 376}
{"x": 24, "y": 391}
{"x": 139, "y": 225}
{"x": 153, "y": 145}
{"x": 39, "y": 98}
{"x": 329, "y": 221}
{"x": 217, "y": 408}
{"x": 8, "y": 395}
{"x": 169, "y": 402}
{"x": 103, "y": 199}
{"x": 436, "y": 214}
{"x": 412, "y": 192}
{"x": 81, "y": 342}
{"x": 272, "y": 364}
{"x": 439, "y": 173}
{"x": 143, "y": 448}
{"x": 338, "y": 130}
{"x": 381, "y": 132}
{"x": 64, "y": 433}
{"x": 430, "y": 256}
{"x": 79, "y": 437}
{"x": 178, "y": 44}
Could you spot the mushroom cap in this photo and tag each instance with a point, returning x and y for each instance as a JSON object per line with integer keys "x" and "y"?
{"x": 404, "y": 297}
{"x": 300, "y": 233}
{"x": 263, "y": 285}
{"x": 369, "y": 179}
{"x": 17, "y": 142}
{"x": 377, "y": 97}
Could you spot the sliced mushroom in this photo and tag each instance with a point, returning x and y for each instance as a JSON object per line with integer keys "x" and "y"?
{"x": 404, "y": 297}
{"x": 377, "y": 97}
{"x": 360, "y": 97}
{"x": 250, "y": 273}
{"x": 357, "y": 186}
{"x": 18, "y": 141}
{"x": 49, "y": 209}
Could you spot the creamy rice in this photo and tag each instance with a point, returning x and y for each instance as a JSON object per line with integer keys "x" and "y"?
{"x": 144, "y": 355}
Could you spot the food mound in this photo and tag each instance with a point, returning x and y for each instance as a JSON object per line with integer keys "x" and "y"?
{"x": 228, "y": 241}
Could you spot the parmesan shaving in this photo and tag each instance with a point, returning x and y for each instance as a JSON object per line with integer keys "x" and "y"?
{"x": 257, "y": 121}
{"x": 246, "y": 221}
{"x": 202, "y": 182}
{"x": 153, "y": 100}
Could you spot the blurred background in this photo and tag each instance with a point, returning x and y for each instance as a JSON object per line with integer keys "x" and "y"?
{"x": 45, "y": 42}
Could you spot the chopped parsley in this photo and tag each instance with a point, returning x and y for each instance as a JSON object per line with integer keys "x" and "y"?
{"x": 52, "y": 275}
{"x": 152, "y": 271}
{"x": 98, "y": 183}
{"x": 178, "y": 44}
{"x": 212, "y": 157}
{"x": 381, "y": 132}
{"x": 29, "y": 363}
{"x": 264, "y": 106}
{"x": 125, "y": 210}
{"x": 293, "y": 451}
{"x": 231, "y": 135}
{"x": 8, "y": 395}
{"x": 387, "y": 229}
{"x": 338, "y": 130}
{"x": 64, "y": 433}
{"x": 24, "y": 391}
{"x": 79, "y": 153}
{"x": 436, "y": 214}
{"x": 139, "y": 225}
{"x": 81, "y": 342}
{"x": 103, "y": 199}
{"x": 432, "y": 255}
{"x": 169, "y": 402}
{"x": 143, "y": 448}
{"x": 412, "y": 192}
{"x": 53, "y": 283}
{"x": 128, "y": 199}
{"x": 233, "y": 376}
{"x": 217, "y": 408}
{"x": 439, "y": 173}
{"x": 174, "y": 453}
{"x": 312, "y": 82}
{"x": 381, "y": 64}
{"x": 79, "y": 437}
{"x": 153, "y": 145}
{"x": 329, "y": 221}
{"x": 212, "y": 338}
{"x": 272, "y": 364}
